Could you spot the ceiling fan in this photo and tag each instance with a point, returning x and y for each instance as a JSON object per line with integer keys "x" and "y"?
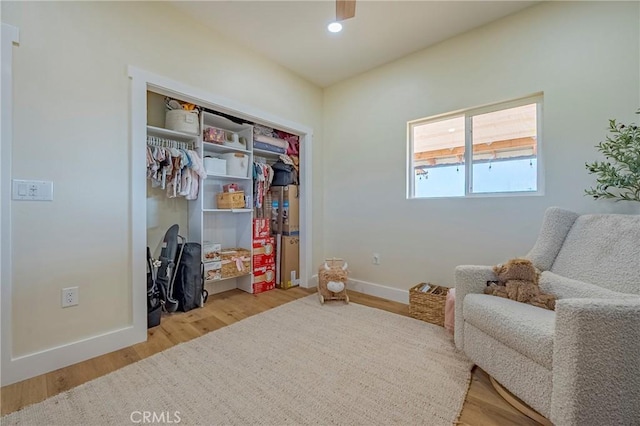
{"x": 345, "y": 9}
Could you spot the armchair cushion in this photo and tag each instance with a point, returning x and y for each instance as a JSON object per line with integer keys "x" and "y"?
{"x": 524, "y": 328}
{"x": 602, "y": 250}
{"x": 556, "y": 224}
{"x": 566, "y": 288}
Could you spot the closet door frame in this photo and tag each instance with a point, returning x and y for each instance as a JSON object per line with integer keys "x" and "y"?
{"x": 143, "y": 81}
{"x": 10, "y": 37}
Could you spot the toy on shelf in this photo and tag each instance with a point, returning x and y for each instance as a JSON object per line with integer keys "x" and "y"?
{"x": 332, "y": 280}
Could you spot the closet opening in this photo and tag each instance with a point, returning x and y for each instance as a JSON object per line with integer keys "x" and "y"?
{"x": 236, "y": 181}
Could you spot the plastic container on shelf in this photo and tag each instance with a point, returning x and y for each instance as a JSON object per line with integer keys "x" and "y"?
{"x": 237, "y": 164}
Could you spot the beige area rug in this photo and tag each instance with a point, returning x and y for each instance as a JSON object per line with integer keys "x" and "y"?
{"x": 298, "y": 364}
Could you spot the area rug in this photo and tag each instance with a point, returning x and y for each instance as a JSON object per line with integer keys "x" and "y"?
{"x": 301, "y": 363}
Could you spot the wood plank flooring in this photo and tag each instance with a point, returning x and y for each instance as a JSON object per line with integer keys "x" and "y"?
{"x": 483, "y": 406}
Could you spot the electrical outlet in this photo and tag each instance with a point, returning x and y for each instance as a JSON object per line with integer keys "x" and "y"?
{"x": 69, "y": 296}
{"x": 376, "y": 259}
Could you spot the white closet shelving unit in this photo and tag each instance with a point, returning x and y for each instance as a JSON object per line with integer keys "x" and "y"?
{"x": 231, "y": 228}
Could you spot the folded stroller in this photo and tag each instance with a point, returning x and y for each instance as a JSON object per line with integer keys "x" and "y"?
{"x": 154, "y": 307}
{"x": 168, "y": 265}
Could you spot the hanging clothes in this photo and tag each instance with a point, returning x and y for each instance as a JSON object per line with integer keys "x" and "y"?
{"x": 262, "y": 178}
{"x": 178, "y": 171}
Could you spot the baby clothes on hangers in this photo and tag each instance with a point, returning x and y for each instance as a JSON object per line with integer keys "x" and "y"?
{"x": 197, "y": 171}
{"x": 177, "y": 170}
{"x": 262, "y": 177}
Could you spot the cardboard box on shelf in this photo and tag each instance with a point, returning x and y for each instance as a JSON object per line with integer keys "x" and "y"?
{"x": 260, "y": 228}
{"x": 264, "y": 251}
{"x": 289, "y": 262}
{"x": 289, "y": 215}
{"x": 262, "y": 287}
{"x": 260, "y": 260}
{"x": 264, "y": 279}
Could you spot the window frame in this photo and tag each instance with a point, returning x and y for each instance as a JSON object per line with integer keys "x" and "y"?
{"x": 468, "y": 114}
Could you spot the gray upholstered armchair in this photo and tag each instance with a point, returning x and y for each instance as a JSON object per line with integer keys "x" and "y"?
{"x": 579, "y": 364}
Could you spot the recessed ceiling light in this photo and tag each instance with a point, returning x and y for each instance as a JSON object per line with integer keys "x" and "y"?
{"x": 335, "y": 27}
{"x": 452, "y": 129}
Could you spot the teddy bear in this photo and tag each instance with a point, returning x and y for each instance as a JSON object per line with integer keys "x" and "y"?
{"x": 518, "y": 280}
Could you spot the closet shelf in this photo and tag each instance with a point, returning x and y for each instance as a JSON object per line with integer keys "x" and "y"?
{"x": 229, "y": 177}
{"x": 265, "y": 153}
{"x": 227, "y": 278}
{"x": 214, "y": 147}
{"x": 227, "y": 210}
{"x": 172, "y": 134}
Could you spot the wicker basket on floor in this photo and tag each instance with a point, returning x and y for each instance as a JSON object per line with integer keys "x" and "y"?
{"x": 428, "y": 306}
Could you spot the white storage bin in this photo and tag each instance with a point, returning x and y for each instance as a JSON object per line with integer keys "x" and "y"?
{"x": 236, "y": 142}
{"x": 182, "y": 121}
{"x": 237, "y": 164}
{"x": 215, "y": 166}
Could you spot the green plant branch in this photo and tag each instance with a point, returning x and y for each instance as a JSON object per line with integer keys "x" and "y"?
{"x": 619, "y": 176}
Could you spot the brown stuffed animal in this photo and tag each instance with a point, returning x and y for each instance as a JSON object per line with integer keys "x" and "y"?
{"x": 518, "y": 280}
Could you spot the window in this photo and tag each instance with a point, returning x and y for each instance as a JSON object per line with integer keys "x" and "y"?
{"x": 501, "y": 142}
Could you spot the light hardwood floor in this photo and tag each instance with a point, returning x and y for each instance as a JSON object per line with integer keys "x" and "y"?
{"x": 483, "y": 406}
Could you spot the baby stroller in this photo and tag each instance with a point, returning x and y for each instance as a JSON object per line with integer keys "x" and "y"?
{"x": 154, "y": 307}
{"x": 166, "y": 271}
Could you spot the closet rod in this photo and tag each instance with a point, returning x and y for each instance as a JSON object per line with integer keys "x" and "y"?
{"x": 168, "y": 143}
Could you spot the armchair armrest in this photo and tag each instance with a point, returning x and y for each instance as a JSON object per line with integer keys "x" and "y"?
{"x": 469, "y": 279}
{"x": 596, "y": 362}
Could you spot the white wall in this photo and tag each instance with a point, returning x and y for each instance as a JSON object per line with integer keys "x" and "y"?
{"x": 582, "y": 55}
{"x": 71, "y": 125}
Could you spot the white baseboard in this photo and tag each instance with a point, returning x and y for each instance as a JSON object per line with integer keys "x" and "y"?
{"x": 379, "y": 290}
{"x": 372, "y": 289}
{"x": 35, "y": 364}
{"x": 313, "y": 282}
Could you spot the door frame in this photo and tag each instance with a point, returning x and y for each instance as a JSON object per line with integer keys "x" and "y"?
{"x": 10, "y": 38}
{"x": 143, "y": 81}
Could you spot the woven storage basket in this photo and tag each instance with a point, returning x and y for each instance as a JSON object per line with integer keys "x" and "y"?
{"x": 230, "y": 200}
{"x": 235, "y": 262}
{"x": 429, "y": 306}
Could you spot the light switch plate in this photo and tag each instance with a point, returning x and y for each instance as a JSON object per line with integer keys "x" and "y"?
{"x": 32, "y": 190}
